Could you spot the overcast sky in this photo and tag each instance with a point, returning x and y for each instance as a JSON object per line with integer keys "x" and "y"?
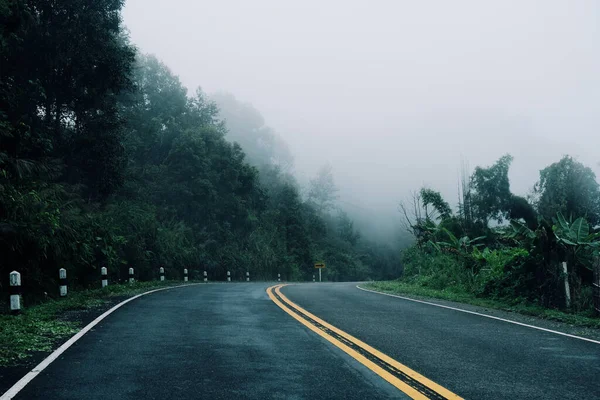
{"x": 395, "y": 93}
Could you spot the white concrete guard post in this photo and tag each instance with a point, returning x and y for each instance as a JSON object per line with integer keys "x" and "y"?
{"x": 104, "y": 274}
{"x": 205, "y": 277}
{"x": 185, "y": 275}
{"x": 567, "y": 289}
{"x": 62, "y": 281}
{"x": 313, "y": 278}
{"x": 278, "y": 277}
{"x": 130, "y": 275}
{"x": 247, "y": 276}
{"x": 228, "y": 276}
{"x": 162, "y": 273}
{"x": 15, "y": 292}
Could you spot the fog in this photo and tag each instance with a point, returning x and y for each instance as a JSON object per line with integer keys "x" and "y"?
{"x": 394, "y": 94}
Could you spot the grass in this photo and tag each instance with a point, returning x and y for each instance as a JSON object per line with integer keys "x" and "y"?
{"x": 39, "y": 328}
{"x": 403, "y": 288}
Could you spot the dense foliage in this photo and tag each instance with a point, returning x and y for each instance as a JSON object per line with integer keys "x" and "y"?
{"x": 519, "y": 261}
{"x": 105, "y": 161}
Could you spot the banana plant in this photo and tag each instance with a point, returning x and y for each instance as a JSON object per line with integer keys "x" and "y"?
{"x": 575, "y": 233}
{"x": 460, "y": 244}
{"x": 575, "y": 238}
{"x": 518, "y": 231}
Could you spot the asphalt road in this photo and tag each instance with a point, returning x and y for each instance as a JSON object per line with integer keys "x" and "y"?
{"x": 230, "y": 341}
{"x": 473, "y": 356}
{"x": 216, "y": 341}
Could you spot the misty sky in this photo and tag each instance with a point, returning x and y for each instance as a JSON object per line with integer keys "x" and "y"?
{"x": 394, "y": 93}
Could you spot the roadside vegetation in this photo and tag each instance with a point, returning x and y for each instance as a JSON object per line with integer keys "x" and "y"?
{"x": 504, "y": 251}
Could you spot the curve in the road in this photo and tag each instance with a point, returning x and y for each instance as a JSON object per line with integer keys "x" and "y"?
{"x": 400, "y": 376}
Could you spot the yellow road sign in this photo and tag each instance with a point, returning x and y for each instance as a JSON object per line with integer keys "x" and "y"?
{"x": 320, "y": 265}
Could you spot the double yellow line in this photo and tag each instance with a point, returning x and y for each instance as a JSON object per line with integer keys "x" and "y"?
{"x": 403, "y": 378}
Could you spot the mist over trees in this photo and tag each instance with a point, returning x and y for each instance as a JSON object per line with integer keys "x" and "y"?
{"x": 245, "y": 125}
{"x": 105, "y": 161}
{"x": 317, "y": 227}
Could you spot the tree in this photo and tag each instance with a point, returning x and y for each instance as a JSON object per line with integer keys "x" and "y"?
{"x": 520, "y": 208}
{"x": 434, "y": 199}
{"x": 63, "y": 66}
{"x": 568, "y": 187}
{"x": 346, "y": 229}
{"x": 322, "y": 190}
{"x": 292, "y": 223}
{"x": 491, "y": 191}
{"x": 245, "y": 125}
{"x": 153, "y": 112}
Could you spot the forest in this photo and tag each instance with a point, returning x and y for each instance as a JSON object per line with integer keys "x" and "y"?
{"x": 106, "y": 161}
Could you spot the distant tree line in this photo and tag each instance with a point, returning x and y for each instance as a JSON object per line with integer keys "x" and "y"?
{"x": 105, "y": 161}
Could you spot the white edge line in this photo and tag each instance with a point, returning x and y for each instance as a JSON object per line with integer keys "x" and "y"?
{"x": 17, "y": 387}
{"x": 481, "y": 315}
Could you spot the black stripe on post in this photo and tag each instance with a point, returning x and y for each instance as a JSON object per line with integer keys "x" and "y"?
{"x": 12, "y": 290}
{"x": 62, "y": 282}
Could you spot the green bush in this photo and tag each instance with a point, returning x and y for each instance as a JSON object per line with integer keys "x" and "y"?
{"x": 503, "y": 272}
{"x": 434, "y": 270}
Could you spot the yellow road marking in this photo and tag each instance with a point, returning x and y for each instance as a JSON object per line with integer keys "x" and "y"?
{"x": 399, "y": 384}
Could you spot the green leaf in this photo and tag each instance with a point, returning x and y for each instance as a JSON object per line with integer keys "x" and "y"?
{"x": 567, "y": 241}
{"x": 581, "y": 229}
{"x": 451, "y": 236}
{"x": 562, "y": 221}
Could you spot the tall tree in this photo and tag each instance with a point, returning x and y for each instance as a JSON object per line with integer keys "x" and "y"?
{"x": 491, "y": 190}
{"x": 568, "y": 187}
{"x": 346, "y": 229}
{"x": 245, "y": 125}
{"x": 434, "y": 204}
{"x": 322, "y": 189}
{"x": 63, "y": 65}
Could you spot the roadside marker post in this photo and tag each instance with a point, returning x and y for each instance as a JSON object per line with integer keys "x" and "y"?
{"x": 185, "y": 275}
{"x": 104, "y": 274}
{"x": 15, "y": 292}
{"x": 228, "y": 276}
{"x": 567, "y": 289}
{"x": 313, "y": 277}
{"x": 278, "y": 277}
{"x": 62, "y": 281}
{"x": 247, "y": 276}
{"x": 205, "y": 277}
{"x": 131, "y": 275}
{"x": 161, "y": 272}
